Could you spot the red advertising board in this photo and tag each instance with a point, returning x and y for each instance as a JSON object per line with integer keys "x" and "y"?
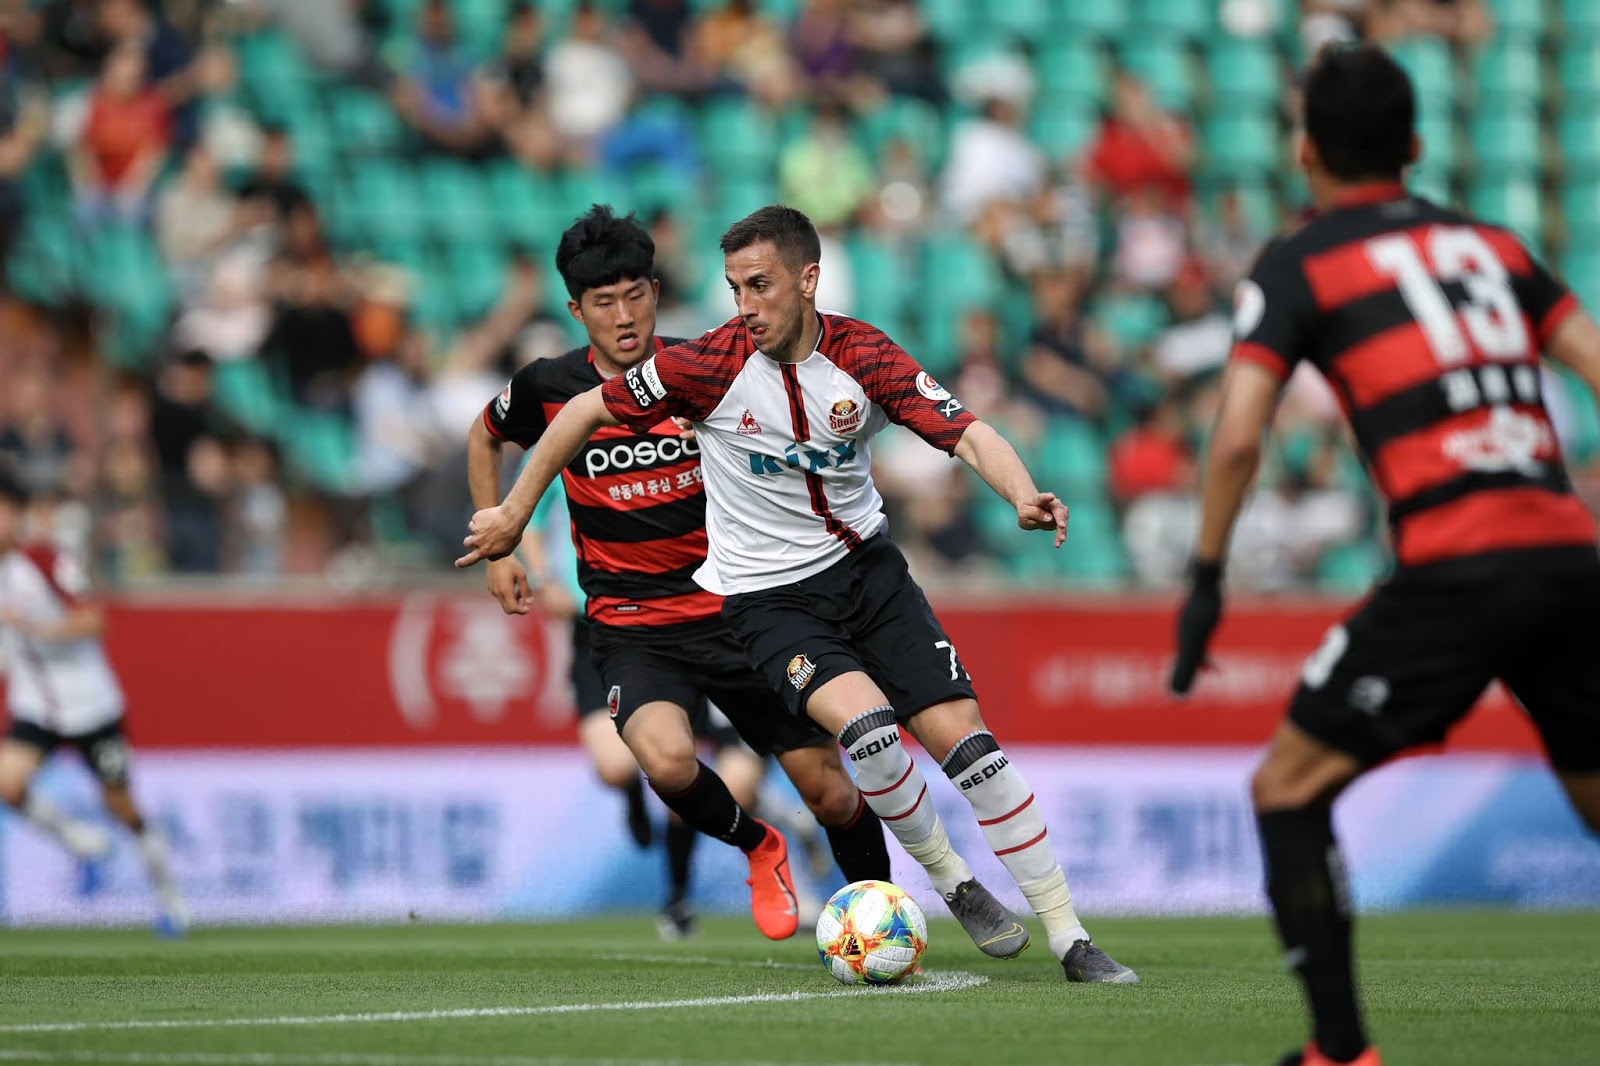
{"x": 451, "y": 669}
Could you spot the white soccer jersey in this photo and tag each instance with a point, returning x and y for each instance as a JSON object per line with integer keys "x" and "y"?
{"x": 66, "y": 687}
{"x": 786, "y": 447}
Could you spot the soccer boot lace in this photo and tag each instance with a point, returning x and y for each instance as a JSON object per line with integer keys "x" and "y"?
{"x": 1087, "y": 964}
{"x": 772, "y": 900}
{"x": 993, "y": 928}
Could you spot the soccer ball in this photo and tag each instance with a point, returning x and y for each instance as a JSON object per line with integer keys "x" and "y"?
{"x": 871, "y": 933}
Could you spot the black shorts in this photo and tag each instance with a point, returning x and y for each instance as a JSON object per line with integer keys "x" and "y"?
{"x": 105, "y": 749}
{"x": 688, "y": 664}
{"x": 862, "y": 613}
{"x": 1414, "y": 658}
{"x": 588, "y": 691}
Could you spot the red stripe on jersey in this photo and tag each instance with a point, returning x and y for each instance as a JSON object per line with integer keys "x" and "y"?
{"x": 1419, "y": 460}
{"x": 1507, "y": 248}
{"x": 797, "y": 403}
{"x": 1387, "y": 363}
{"x": 1555, "y": 316}
{"x": 645, "y": 557}
{"x": 661, "y": 611}
{"x": 1344, "y": 273}
{"x": 45, "y": 559}
{"x": 1262, "y": 356}
{"x": 1494, "y": 520}
{"x": 489, "y": 425}
{"x": 596, "y": 491}
{"x": 814, "y": 486}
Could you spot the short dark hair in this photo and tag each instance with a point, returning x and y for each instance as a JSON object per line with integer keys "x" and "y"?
{"x": 789, "y": 230}
{"x": 1360, "y": 112}
{"x": 601, "y": 249}
{"x": 12, "y": 490}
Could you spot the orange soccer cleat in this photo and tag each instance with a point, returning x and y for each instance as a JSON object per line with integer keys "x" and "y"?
{"x": 772, "y": 898}
{"x": 1311, "y": 1055}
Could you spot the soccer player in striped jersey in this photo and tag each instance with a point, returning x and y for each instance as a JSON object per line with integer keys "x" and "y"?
{"x": 638, "y": 510}
{"x": 785, "y": 402}
{"x": 1428, "y": 324}
{"x": 61, "y": 690}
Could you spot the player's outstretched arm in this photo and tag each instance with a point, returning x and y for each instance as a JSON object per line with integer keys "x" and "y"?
{"x": 998, "y": 463}
{"x": 508, "y": 581}
{"x": 494, "y": 532}
{"x": 1249, "y": 394}
{"x": 1576, "y": 345}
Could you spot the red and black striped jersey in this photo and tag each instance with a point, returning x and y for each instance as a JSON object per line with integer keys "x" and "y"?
{"x": 1428, "y": 325}
{"x": 637, "y": 502}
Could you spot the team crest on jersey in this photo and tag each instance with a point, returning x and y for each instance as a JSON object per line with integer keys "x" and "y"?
{"x": 931, "y": 388}
{"x": 748, "y": 426}
{"x": 614, "y": 700}
{"x": 503, "y": 403}
{"x": 800, "y": 670}
{"x": 845, "y": 416}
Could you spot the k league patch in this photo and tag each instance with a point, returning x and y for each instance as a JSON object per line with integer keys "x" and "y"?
{"x": 503, "y": 403}
{"x": 931, "y": 388}
{"x": 800, "y": 670}
{"x": 614, "y": 700}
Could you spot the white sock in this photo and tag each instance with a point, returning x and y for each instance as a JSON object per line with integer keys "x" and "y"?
{"x": 158, "y": 864}
{"x": 897, "y": 792}
{"x": 1006, "y": 812}
{"x": 84, "y": 839}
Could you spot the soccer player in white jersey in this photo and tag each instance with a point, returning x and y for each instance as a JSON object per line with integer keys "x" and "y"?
{"x": 785, "y": 401}
{"x": 61, "y": 690}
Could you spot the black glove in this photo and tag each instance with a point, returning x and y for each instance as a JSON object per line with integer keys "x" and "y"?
{"x": 1196, "y": 622}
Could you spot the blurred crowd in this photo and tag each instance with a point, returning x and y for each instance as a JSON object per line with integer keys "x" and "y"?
{"x": 297, "y": 408}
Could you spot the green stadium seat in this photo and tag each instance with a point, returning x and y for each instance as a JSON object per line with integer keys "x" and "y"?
{"x": 1191, "y": 18}
{"x": 1579, "y": 17}
{"x": 1579, "y": 135}
{"x": 1438, "y": 136}
{"x": 1580, "y": 210}
{"x": 1350, "y": 568}
{"x": 1526, "y": 17}
{"x": 529, "y": 207}
{"x": 480, "y": 24}
{"x": 1024, "y": 20}
{"x": 1511, "y": 201}
{"x": 457, "y": 202}
{"x": 1131, "y": 319}
{"x": 477, "y": 276}
{"x": 1244, "y": 71}
{"x": 1580, "y": 269}
{"x": 1509, "y": 67}
{"x": 916, "y": 121}
{"x": 1072, "y": 68}
{"x": 1505, "y": 139}
{"x": 1063, "y": 130}
{"x": 738, "y": 138}
{"x": 274, "y": 73}
{"x": 246, "y": 392}
{"x": 949, "y": 20}
{"x": 1109, "y": 20}
{"x": 1428, "y": 61}
{"x": 1072, "y": 455}
{"x": 1578, "y": 73}
{"x": 1243, "y": 143}
{"x": 738, "y": 196}
{"x": 363, "y": 122}
{"x": 1092, "y": 555}
{"x": 1162, "y": 62}
{"x": 1431, "y": 182}
{"x": 883, "y": 279}
{"x": 42, "y": 266}
{"x": 319, "y": 447}
{"x": 385, "y": 201}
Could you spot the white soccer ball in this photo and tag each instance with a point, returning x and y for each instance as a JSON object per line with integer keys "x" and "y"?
{"x": 871, "y": 932}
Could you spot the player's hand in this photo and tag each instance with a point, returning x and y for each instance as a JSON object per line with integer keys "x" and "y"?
{"x": 685, "y": 428}
{"x": 508, "y": 583}
{"x": 493, "y": 533}
{"x": 1044, "y": 511}
{"x": 1198, "y": 619}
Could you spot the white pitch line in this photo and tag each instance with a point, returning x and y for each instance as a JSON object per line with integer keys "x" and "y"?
{"x": 952, "y": 982}
{"x": 752, "y": 964}
{"x": 248, "y": 1058}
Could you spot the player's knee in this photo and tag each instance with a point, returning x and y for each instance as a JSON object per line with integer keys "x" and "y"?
{"x": 670, "y": 761}
{"x": 1274, "y": 787}
{"x": 13, "y": 792}
{"x": 830, "y": 796}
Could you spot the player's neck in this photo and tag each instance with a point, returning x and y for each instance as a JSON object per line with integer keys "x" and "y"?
{"x": 608, "y": 369}
{"x": 1330, "y": 194}
{"x": 805, "y": 344}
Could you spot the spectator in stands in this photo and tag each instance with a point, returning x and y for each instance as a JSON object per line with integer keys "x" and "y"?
{"x": 991, "y": 159}
{"x": 825, "y": 173}
{"x": 1199, "y": 335}
{"x": 1151, "y": 239}
{"x": 589, "y": 81}
{"x": 170, "y": 63}
{"x": 192, "y": 460}
{"x": 825, "y": 52}
{"x": 24, "y": 121}
{"x": 658, "y": 43}
{"x": 311, "y": 336}
{"x": 1230, "y": 243}
{"x": 196, "y": 218}
{"x": 512, "y": 92}
{"x": 895, "y": 50}
{"x": 1152, "y": 456}
{"x": 129, "y": 521}
{"x": 742, "y": 50}
{"x": 1460, "y": 22}
{"x": 1138, "y": 144}
{"x": 436, "y": 93}
{"x": 258, "y": 513}
{"x": 35, "y": 444}
{"x": 124, "y": 143}
{"x": 1066, "y": 368}
{"x": 270, "y": 193}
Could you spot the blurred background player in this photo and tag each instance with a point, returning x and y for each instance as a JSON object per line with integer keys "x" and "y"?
{"x": 638, "y": 513}
{"x": 553, "y": 577}
{"x": 61, "y": 690}
{"x": 1429, "y": 325}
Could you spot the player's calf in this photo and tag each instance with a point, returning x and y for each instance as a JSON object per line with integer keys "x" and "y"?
{"x": 855, "y": 835}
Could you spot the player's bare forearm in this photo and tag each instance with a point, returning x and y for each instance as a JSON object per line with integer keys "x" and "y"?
{"x": 495, "y": 531}
{"x": 1576, "y": 345}
{"x": 1249, "y": 394}
{"x": 484, "y": 452}
{"x": 1002, "y": 469}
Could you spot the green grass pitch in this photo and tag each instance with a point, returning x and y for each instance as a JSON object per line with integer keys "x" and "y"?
{"x": 1452, "y": 989}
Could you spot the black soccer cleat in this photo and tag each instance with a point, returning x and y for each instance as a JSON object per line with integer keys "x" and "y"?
{"x": 676, "y": 921}
{"x": 993, "y": 928}
{"x": 1087, "y": 964}
{"x": 639, "y": 826}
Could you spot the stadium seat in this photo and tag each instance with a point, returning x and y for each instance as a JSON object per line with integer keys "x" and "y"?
{"x": 883, "y": 278}
{"x": 1578, "y": 133}
{"x": 1162, "y": 62}
{"x": 737, "y": 137}
{"x": 274, "y": 73}
{"x": 363, "y": 122}
{"x": 1432, "y": 71}
{"x": 1350, "y": 568}
{"x": 457, "y": 202}
{"x": 949, "y": 20}
{"x": 1092, "y": 557}
{"x": 385, "y": 200}
{"x": 1580, "y": 212}
{"x": 1244, "y": 71}
{"x": 1578, "y": 73}
{"x": 1023, "y": 20}
{"x": 42, "y": 266}
{"x": 1190, "y": 18}
{"x": 528, "y": 206}
{"x": 477, "y": 275}
{"x": 1431, "y": 182}
{"x": 1508, "y": 67}
{"x": 1505, "y": 139}
{"x": 1108, "y": 20}
{"x": 1526, "y": 17}
{"x": 1511, "y": 201}
{"x": 1063, "y": 130}
{"x": 1131, "y": 319}
{"x": 1071, "y": 69}
{"x": 1580, "y": 268}
{"x": 246, "y": 393}
{"x": 319, "y": 447}
{"x": 1438, "y": 135}
{"x": 1073, "y": 456}
{"x": 1578, "y": 17}
{"x": 917, "y": 122}
{"x": 1242, "y": 143}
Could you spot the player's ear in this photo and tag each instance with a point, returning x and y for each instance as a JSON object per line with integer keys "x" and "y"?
{"x": 809, "y": 275}
{"x": 1414, "y": 152}
{"x": 575, "y": 309}
{"x": 1305, "y": 153}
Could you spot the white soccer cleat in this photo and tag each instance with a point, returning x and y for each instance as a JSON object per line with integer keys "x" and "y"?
{"x": 86, "y": 841}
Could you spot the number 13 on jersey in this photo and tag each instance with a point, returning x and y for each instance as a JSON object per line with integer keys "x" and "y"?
{"x": 1491, "y": 314}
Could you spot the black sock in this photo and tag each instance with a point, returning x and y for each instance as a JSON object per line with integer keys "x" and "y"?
{"x": 708, "y": 806}
{"x": 638, "y": 817}
{"x": 1306, "y": 885}
{"x": 858, "y": 846}
{"x": 680, "y": 849}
